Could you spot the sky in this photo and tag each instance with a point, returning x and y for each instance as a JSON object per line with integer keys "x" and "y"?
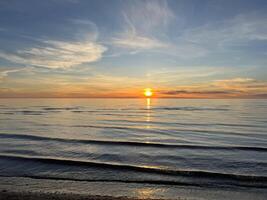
{"x": 116, "y": 48}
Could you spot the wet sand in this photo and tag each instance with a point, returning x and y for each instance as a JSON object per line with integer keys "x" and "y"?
{"x": 8, "y": 195}
{"x": 17, "y": 188}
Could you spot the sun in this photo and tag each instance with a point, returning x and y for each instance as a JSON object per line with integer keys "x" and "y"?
{"x": 148, "y": 92}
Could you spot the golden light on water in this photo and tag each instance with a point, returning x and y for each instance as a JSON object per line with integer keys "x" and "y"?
{"x": 148, "y": 92}
{"x": 148, "y": 103}
{"x": 149, "y": 193}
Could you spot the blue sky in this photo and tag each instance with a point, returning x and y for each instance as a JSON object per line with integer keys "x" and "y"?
{"x": 79, "y": 48}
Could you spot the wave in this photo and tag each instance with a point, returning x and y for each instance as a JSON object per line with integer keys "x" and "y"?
{"x": 27, "y": 112}
{"x": 136, "y": 181}
{"x": 159, "y": 108}
{"x": 133, "y": 143}
{"x": 191, "y": 108}
{"x": 185, "y": 108}
{"x": 186, "y": 123}
{"x": 7, "y": 113}
{"x": 173, "y": 131}
{"x": 31, "y": 112}
{"x": 113, "y": 112}
{"x": 156, "y": 182}
{"x": 61, "y": 108}
{"x": 45, "y": 110}
{"x": 144, "y": 169}
{"x": 121, "y": 128}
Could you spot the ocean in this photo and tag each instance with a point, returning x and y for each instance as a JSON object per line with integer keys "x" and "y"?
{"x": 161, "y": 147}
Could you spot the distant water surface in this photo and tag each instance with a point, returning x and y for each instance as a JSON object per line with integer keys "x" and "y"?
{"x": 202, "y": 143}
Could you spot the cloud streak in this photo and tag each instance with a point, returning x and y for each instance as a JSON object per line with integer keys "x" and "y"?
{"x": 134, "y": 41}
{"x": 228, "y": 88}
{"x": 57, "y": 54}
{"x": 5, "y": 73}
{"x": 239, "y": 30}
{"x": 143, "y": 20}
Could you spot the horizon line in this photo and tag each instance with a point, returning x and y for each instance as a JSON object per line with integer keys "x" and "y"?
{"x": 133, "y": 97}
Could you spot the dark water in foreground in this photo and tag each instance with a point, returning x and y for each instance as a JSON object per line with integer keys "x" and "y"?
{"x": 202, "y": 143}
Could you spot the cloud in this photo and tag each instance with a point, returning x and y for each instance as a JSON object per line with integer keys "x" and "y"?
{"x": 82, "y": 48}
{"x": 143, "y": 21}
{"x": 57, "y": 54}
{"x": 5, "y": 73}
{"x": 2, "y": 29}
{"x": 66, "y": 85}
{"x": 178, "y": 92}
{"x": 203, "y": 90}
{"x": 186, "y": 75}
{"x": 219, "y": 37}
{"x": 147, "y": 16}
{"x": 230, "y": 88}
{"x": 264, "y": 96}
{"x": 241, "y": 84}
{"x": 235, "y": 31}
{"x": 85, "y": 29}
{"x": 134, "y": 41}
{"x": 147, "y": 26}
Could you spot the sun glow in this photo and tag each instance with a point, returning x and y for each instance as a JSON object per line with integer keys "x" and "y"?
{"x": 148, "y": 92}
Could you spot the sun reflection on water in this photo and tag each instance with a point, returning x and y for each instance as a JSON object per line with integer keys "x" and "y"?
{"x": 148, "y": 193}
{"x": 148, "y": 103}
{"x": 145, "y": 193}
{"x": 148, "y": 112}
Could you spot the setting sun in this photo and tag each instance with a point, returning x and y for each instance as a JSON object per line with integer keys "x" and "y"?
{"x": 148, "y": 92}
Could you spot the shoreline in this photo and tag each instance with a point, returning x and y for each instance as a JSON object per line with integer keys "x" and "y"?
{"x": 23, "y": 195}
{"x": 15, "y": 188}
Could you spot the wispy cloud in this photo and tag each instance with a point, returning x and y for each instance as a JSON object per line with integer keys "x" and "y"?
{"x": 146, "y": 28}
{"x": 233, "y": 88}
{"x": 64, "y": 53}
{"x": 238, "y": 30}
{"x": 3, "y": 29}
{"x": 186, "y": 75}
{"x": 197, "y": 93}
{"x": 6, "y": 72}
{"x": 57, "y": 54}
{"x": 147, "y": 16}
{"x": 67, "y": 85}
{"x": 241, "y": 84}
{"x": 134, "y": 41}
{"x": 144, "y": 21}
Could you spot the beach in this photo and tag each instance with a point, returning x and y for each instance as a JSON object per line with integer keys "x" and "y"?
{"x": 5, "y": 195}
{"x": 15, "y": 188}
{"x": 25, "y": 188}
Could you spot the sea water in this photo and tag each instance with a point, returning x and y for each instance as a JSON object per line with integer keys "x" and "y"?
{"x": 155, "y": 143}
